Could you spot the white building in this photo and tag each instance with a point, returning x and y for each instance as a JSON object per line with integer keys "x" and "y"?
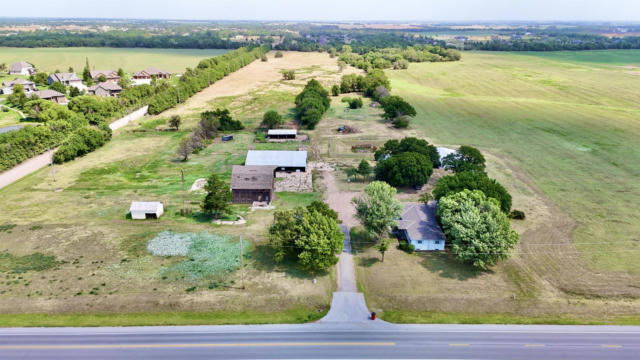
{"x": 21, "y": 68}
{"x": 420, "y": 228}
{"x": 141, "y": 210}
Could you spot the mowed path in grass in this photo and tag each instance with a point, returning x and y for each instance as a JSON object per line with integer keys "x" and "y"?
{"x": 571, "y": 126}
{"x": 130, "y": 60}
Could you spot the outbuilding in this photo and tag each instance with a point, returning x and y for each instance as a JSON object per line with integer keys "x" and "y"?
{"x": 252, "y": 183}
{"x": 282, "y": 134}
{"x": 141, "y": 210}
{"x": 419, "y": 227}
{"x": 283, "y": 160}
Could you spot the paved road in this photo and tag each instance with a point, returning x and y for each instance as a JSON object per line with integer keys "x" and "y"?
{"x": 324, "y": 341}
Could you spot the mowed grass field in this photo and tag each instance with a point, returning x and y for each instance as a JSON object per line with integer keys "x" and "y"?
{"x": 130, "y": 60}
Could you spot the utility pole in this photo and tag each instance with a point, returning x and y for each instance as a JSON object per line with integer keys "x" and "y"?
{"x": 242, "y": 263}
{"x": 178, "y": 87}
{"x": 184, "y": 194}
{"x": 53, "y": 170}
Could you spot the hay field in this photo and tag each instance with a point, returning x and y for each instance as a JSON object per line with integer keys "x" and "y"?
{"x": 130, "y": 60}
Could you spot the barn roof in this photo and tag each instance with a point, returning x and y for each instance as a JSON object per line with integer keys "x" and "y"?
{"x": 419, "y": 220}
{"x": 19, "y": 66}
{"x": 252, "y": 177}
{"x": 276, "y": 158}
{"x": 145, "y": 206}
{"x": 282, "y": 132}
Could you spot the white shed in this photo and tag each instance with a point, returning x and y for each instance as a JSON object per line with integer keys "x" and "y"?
{"x": 146, "y": 210}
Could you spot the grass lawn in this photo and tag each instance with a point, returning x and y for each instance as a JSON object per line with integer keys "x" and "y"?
{"x": 130, "y": 60}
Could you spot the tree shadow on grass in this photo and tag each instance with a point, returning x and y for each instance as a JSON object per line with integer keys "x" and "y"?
{"x": 262, "y": 255}
{"x": 370, "y": 261}
{"x": 446, "y": 266}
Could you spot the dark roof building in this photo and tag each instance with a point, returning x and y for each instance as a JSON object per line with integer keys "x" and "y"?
{"x": 420, "y": 228}
{"x": 21, "y": 68}
{"x": 109, "y": 75}
{"x": 252, "y": 183}
{"x": 105, "y": 89}
{"x": 51, "y": 95}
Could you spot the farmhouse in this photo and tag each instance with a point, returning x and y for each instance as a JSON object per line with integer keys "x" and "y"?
{"x": 418, "y": 226}
{"x": 109, "y": 75}
{"x": 252, "y": 183}
{"x": 29, "y": 86}
{"x": 282, "y": 133}
{"x": 21, "y": 68}
{"x": 283, "y": 160}
{"x": 51, "y": 95}
{"x": 145, "y": 76}
{"x": 67, "y": 79}
{"x": 141, "y": 210}
{"x": 105, "y": 89}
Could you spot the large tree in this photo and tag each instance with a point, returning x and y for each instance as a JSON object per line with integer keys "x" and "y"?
{"x": 378, "y": 208}
{"x": 396, "y": 107}
{"x": 218, "y": 196}
{"x": 405, "y": 169}
{"x": 479, "y": 233}
{"x": 471, "y": 180}
{"x": 467, "y": 158}
{"x": 271, "y": 119}
{"x": 310, "y": 236}
{"x": 409, "y": 144}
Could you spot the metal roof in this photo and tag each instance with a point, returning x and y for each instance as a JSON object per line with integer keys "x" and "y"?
{"x": 276, "y": 158}
{"x": 282, "y": 132}
{"x": 145, "y": 206}
{"x": 443, "y": 151}
{"x": 419, "y": 220}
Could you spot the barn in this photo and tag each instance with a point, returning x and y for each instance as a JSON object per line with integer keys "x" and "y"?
{"x": 141, "y": 210}
{"x": 252, "y": 183}
{"x": 283, "y": 160}
{"x": 282, "y": 134}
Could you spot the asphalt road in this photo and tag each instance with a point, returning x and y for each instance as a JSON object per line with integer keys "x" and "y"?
{"x": 324, "y": 341}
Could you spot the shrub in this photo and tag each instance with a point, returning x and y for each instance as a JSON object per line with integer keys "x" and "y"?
{"x": 469, "y": 180}
{"x": 516, "y": 215}
{"x": 264, "y": 58}
{"x": 81, "y": 142}
{"x": 406, "y": 247}
{"x": 279, "y": 54}
{"x": 223, "y": 118}
{"x": 335, "y": 90}
{"x": 312, "y": 103}
{"x": 271, "y": 119}
{"x": 288, "y": 75}
{"x": 396, "y": 107}
{"x": 401, "y": 122}
{"x": 355, "y": 103}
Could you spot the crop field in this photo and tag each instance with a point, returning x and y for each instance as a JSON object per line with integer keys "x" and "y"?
{"x": 559, "y": 131}
{"x": 130, "y": 60}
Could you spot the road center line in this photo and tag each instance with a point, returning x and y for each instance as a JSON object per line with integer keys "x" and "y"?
{"x": 151, "y": 346}
{"x": 458, "y": 344}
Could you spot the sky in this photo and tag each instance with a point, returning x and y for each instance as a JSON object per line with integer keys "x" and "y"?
{"x": 332, "y": 10}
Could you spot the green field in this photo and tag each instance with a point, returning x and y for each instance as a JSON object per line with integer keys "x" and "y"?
{"x": 130, "y": 60}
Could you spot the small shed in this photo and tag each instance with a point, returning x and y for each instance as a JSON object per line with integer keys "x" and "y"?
{"x": 141, "y": 210}
{"x": 282, "y": 133}
{"x": 283, "y": 160}
{"x": 252, "y": 183}
{"x": 419, "y": 227}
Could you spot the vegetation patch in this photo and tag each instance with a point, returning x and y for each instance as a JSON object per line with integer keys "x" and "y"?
{"x": 32, "y": 262}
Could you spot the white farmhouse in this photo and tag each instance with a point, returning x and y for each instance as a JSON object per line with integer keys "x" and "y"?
{"x": 419, "y": 227}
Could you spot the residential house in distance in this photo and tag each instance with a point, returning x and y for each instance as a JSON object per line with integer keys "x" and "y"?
{"x": 67, "y": 79}
{"x": 141, "y": 210}
{"x": 105, "y": 89}
{"x": 419, "y": 227}
{"x": 22, "y": 68}
{"x": 51, "y": 95}
{"x": 109, "y": 75}
{"x": 29, "y": 86}
{"x": 282, "y": 134}
{"x": 145, "y": 76}
{"x": 283, "y": 160}
{"x": 252, "y": 183}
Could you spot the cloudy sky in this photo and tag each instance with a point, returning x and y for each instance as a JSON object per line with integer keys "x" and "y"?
{"x": 332, "y": 10}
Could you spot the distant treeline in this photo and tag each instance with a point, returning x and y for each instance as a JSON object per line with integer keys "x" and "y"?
{"x": 553, "y": 43}
{"x": 118, "y": 39}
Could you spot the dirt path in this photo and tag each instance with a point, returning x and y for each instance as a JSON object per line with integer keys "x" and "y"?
{"x": 340, "y": 201}
{"x": 25, "y": 168}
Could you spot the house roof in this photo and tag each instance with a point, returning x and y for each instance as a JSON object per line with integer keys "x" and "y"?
{"x": 48, "y": 94}
{"x": 145, "y": 206}
{"x": 252, "y": 177}
{"x": 106, "y": 73}
{"x": 106, "y": 86}
{"x": 419, "y": 220}
{"x": 151, "y": 71}
{"x": 64, "y": 77}
{"x": 282, "y": 132}
{"x": 19, "y": 66}
{"x": 276, "y": 158}
{"x": 18, "y": 81}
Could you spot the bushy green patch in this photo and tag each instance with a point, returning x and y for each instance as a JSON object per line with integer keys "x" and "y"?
{"x": 6, "y": 227}
{"x": 152, "y": 124}
{"x": 209, "y": 256}
{"x": 291, "y": 199}
{"x": 32, "y": 262}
